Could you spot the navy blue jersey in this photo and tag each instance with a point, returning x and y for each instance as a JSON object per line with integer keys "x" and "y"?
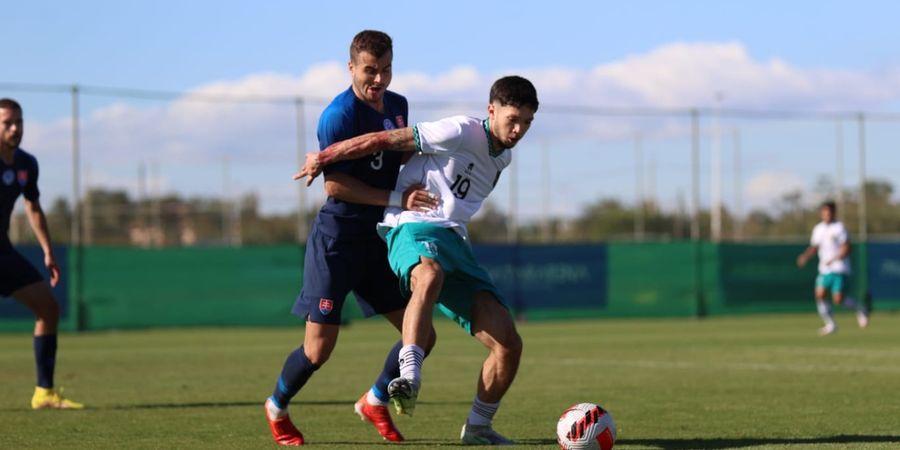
{"x": 348, "y": 117}
{"x": 18, "y": 178}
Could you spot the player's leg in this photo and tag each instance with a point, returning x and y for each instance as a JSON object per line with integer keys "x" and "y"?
{"x": 413, "y": 256}
{"x": 379, "y": 293}
{"x": 493, "y": 326}
{"x": 426, "y": 281}
{"x": 823, "y": 306}
{"x": 839, "y": 297}
{"x": 327, "y": 278}
{"x": 372, "y": 406}
{"x": 20, "y": 280}
{"x": 318, "y": 343}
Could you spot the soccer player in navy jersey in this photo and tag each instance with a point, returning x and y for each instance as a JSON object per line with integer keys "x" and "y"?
{"x": 344, "y": 252}
{"x": 18, "y": 278}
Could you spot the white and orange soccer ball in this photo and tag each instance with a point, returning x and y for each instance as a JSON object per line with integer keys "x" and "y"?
{"x": 586, "y": 426}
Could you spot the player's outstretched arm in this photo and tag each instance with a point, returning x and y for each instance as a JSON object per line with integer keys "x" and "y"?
{"x": 806, "y": 255}
{"x": 357, "y": 147}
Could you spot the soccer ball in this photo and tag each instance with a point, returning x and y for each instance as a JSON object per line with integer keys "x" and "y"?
{"x": 585, "y": 426}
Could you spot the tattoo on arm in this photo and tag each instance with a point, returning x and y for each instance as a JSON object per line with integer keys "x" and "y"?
{"x": 367, "y": 144}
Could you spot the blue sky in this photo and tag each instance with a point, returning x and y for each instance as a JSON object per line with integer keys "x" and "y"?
{"x": 178, "y": 45}
{"x": 806, "y": 55}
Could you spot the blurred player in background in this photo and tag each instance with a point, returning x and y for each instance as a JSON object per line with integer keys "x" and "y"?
{"x": 460, "y": 160}
{"x": 832, "y": 242}
{"x": 344, "y": 252}
{"x": 18, "y": 278}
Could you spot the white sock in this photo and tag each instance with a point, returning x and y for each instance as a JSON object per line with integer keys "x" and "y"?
{"x": 825, "y": 313}
{"x": 482, "y": 413}
{"x": 274, "y": 412}
{"x": 373, "y": 400}
{"x": 411, "y": 357}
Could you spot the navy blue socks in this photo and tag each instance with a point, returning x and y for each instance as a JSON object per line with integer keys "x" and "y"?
{"x": 45, "y": 359}
{"x": 295, "y": 373}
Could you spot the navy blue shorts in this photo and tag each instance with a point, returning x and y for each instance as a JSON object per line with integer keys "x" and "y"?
{"x": 15, "y": 272}
{"x": 332, "y": 268}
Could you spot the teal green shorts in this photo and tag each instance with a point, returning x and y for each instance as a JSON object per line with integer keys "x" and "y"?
{"x": 463, "y": 277}
{"x": 835, "y": 283}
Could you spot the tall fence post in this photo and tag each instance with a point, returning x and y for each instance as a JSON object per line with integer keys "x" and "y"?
{"x": 695, "y": 220}
{"x": 863, "y": 219}
{"x": 77, "y": 217}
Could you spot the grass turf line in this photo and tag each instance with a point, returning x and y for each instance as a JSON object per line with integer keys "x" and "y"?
{"x": 734, "y": 382}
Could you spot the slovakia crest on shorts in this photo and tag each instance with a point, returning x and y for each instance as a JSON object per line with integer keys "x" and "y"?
{"x": 400, "y": 122}
{"x": 325, "y": 306}
{"x": 22, "y": 175}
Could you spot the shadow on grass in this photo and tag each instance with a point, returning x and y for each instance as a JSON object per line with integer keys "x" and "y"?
{"x": 724, "y": 443}
{"x": 188, "y": 405}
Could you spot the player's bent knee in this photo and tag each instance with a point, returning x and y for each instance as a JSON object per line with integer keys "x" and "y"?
{"x": 512, "y": 344}
{"x": 48, "y": 311}
{"x": 427, "y": 274}
{"x": 317, "y": 355}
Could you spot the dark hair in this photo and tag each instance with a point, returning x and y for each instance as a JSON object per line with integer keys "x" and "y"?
{"x": 377, "y": 43}
{"x": 8, "y": 103}
{"x": 830, "y": 205}
{"x": 514, "y": 91}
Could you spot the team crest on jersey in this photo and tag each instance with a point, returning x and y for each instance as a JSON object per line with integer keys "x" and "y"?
{"x": 430, "y": 247}
{"x": 388, "y": 125}
{"x": 8, "y": 177}
{"x": 325, "y": 306}
{"x": 22, "y": 175}
{"x": 400, "y": 122}
{"x": 470, "y": 168}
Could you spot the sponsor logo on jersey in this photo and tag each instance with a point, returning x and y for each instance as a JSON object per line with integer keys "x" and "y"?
{"x": 388, "y": 125}
{"x": 325, "y": 306}
{"x": 8, "y": 177}
{"x": 400, "y": 122}
{"x": 22, "y": 175}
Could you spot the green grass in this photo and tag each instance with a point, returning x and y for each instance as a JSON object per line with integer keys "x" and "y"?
{"x": 741, "y": 382}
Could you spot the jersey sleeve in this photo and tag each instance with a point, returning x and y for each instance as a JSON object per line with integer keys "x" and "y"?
{"x": 442, "y": 136}
{"x": 335, "y": 125}
{"x": 30, "y": 191}
{"x": 814, "y": 239}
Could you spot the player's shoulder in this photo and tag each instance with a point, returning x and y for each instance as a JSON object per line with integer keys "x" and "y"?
{"x": 838, "y": 225}
{"x": 340, "y": 108}
{"x": 26, "y": 157}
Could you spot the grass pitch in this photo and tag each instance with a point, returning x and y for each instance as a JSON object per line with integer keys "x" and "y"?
{"x": 739, "y": 382}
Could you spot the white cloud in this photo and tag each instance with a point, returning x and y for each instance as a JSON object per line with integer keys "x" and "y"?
{"x": 764, "y": 188}
{"x": 192, "y": 131}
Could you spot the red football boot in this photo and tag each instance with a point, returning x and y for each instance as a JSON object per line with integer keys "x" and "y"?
{"x": 380, "y": 417}
{"x": 283, "y": 430}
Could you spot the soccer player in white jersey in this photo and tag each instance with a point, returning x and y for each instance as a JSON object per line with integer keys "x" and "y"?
{"x": 832, "y": 242}
{"x": 458, "y": 159}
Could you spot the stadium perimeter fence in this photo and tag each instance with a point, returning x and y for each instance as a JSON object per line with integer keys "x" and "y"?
{"x": 154, "y": 187}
